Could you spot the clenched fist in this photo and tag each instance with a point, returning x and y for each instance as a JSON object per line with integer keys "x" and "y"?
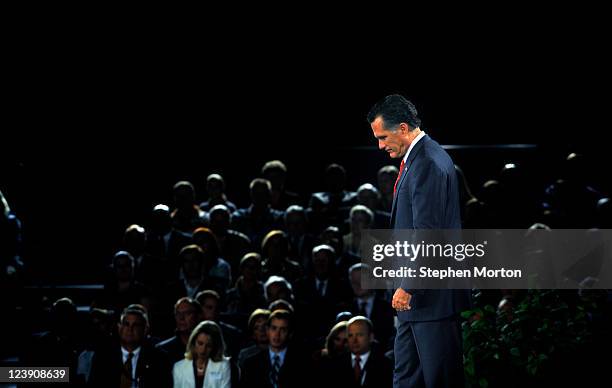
{"x": 401, "y": 300}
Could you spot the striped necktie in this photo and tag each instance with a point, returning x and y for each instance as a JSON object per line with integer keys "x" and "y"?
{"x": 274, "y": 372}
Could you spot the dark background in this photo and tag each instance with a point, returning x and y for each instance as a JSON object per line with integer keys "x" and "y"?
{"x": 98, "y": 130}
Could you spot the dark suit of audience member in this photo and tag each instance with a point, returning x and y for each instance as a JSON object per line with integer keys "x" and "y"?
{"x": 363, "y": 366}
{"x": 233, "y": 245}
{"x": 163, "y": 244}
{"x": 122, "y": 289}
{"x": 61, "y": 344}
{"x": 187, "y": 314}
{"x": 132, "y": 359}
{"x": 373, "y": 306}
{"x": 259, "y": 218}
{"x": 281, "y": 365}
{"x": 248, "y": 294}
{"x": 319, "y": 294}
{"x": 300, "y": 241}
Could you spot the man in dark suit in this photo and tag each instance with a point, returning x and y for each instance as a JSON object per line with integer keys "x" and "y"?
{"x": 426, "y": 197}
{"x": 372, "y": 306}
{"x": 132, "y": 362}
{"x": 363, "y": 366}
{"x": 282, "y": 365}
{"x": 187, "y": 315}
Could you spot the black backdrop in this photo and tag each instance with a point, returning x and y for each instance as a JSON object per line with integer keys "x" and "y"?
{"x": 95, "y": 137}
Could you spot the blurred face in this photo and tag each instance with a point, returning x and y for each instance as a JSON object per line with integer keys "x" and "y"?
{"x": 259, "y": 331}
{"x": 277, "y": 248}
{"x": 260, "y": 195}
{"x": 386, "y": 182}
{"x": 356, "y": 284}
{"x": 359, "y": 338}
{"x": 359, "y": 221}
{"x": 368, "y": 198}
{"x": 214, "y": 187}
{"x": 250, "y": 269}
{"x": 277, "y": 291}
{"x": 209, "y": 309}
{"x": 186, "y": 317}
{"x": 320, "y": 262}
{"x": 341, "y": 342}
{"x": 278, "y": 334}
{"x": 219, "y": 221}
{"x": 184, "y": 197}
{"x": 295, "y": 223}
{"x": 392, "y": 142}
{"x": 276, "y": 178}
{"x": 192, "y": 266}
{"x": 123, "y": 268}
{"x": 332, "y": 239}
{"x": 132, "y": 331}
{"x": 335, "y": 180}
{"x": 203, "y": 346}
{"x": 135, "y": 242}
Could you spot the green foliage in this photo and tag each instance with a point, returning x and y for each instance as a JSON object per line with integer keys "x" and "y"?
{"x": 516, "y": 345}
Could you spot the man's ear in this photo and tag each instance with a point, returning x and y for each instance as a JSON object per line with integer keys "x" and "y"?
{"x": 404, "y": 128}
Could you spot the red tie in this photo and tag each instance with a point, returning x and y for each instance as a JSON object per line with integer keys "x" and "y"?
{"x": 398, "y": 177}
{"x": 357, "y": 369}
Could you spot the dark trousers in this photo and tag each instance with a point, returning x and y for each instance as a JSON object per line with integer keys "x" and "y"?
{"x": 429, "y": 354}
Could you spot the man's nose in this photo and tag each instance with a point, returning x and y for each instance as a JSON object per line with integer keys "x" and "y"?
{"x": 381, "y": 145}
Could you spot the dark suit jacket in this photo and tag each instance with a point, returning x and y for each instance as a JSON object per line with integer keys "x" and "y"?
{"x": 152, "y": 369}
{"x": 378, "y": 372}
{"x": 428, "y": 198}
{"x": 173, "y": 348}
{"x": 382, "y": 319}
{"x": 295, "y": 372}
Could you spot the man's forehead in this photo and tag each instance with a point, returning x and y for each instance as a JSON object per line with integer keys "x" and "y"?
{"x": 279, "y": 322}
{"x": 130, "y": 317}
{"x": 358, "y": 326}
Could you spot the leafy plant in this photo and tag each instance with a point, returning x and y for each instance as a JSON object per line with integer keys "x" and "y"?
{"x": 519, "y": 344}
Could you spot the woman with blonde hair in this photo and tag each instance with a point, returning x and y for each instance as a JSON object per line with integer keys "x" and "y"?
{"x": 205, "y": 365}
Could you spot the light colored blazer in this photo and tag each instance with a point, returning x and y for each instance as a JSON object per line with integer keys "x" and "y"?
{"x": 217, "y": 374}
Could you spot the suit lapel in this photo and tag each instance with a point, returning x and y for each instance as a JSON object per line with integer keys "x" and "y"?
{"x": 413, "y": 153}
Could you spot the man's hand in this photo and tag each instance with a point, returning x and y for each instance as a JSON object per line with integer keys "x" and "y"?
{"x": 401, "y": 300}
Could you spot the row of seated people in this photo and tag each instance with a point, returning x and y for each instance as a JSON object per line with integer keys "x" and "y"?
{"x": 320, "y": 294}
{"x": 123, "y": 353}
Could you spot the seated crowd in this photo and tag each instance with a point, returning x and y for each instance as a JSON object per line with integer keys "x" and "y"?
{"x": 269, "y": 295}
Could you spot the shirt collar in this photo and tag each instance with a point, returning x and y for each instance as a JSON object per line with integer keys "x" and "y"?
{"x": 281, "y": 354}
{"x": 125, "y": 353}
{"x": 363, "y": 358}
{"x": 416, "y": 140}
